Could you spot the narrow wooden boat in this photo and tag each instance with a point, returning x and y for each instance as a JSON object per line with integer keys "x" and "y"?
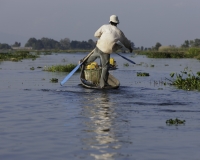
{"x": 113, "y": 83}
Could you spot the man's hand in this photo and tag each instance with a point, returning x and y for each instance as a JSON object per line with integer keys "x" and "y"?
{"x": 80, "y": 61}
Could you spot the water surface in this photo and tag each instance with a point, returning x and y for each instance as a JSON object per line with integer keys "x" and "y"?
{"x": 45, "y": 121}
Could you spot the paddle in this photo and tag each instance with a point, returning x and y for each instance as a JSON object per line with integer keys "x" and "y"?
{"x": 126, "y": 58}
{"x": 75, "y": 69}
{"x": 122, "y": 46}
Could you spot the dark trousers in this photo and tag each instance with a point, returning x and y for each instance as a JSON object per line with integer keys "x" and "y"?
{"x": 104, "y": 59}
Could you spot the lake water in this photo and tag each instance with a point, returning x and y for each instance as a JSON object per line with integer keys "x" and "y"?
{"x": 40, "y": 120}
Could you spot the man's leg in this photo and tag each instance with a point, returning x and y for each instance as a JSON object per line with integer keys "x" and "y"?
{"x": 93, "y": 57}
{"x": 105, "y": 66}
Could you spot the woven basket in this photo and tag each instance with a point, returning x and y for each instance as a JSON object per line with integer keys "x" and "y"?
{"x": 93, "y": 75}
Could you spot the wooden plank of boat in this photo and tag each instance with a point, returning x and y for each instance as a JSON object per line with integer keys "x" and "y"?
{"x": 113, "y": 83}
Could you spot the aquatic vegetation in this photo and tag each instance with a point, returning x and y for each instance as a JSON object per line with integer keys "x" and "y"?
{"x": 142, "y": 74}
{"x": 126, "y": 64}
{"x": 193, "y": 53}
{"x": 54, "y": 80}
{"x": 61, "y": 68}
{"x": 49, "y": 52}
{"x": 32, "y": 68}
{"x": 168, "y": 48}
{"x": 175, "y": 121}
{"x": 187, "y": 80}
{"x": 172, "y": 53}
{"x": 17, "y": 56}
{"x": 167, "y": 54}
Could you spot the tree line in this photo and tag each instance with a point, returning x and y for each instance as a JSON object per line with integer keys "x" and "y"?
{"x": 63, "y": 44}
{"x": 49, "y": 44}
{"x": 187, "y": 44}
{"x": 66, "y": 44}
{"x": 191, "y": 43}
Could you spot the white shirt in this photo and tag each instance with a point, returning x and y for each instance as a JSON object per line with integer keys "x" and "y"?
{"x": 108, "y": 36}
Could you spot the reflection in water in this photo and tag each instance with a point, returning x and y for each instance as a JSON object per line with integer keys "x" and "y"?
{"x": 103, "y": 126}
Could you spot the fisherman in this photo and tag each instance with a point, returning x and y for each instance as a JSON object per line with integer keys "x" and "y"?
{"x": 108, "y": 37}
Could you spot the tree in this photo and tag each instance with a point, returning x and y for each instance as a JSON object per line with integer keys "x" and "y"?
{"x": 50, "y": 43}
{"x": 157, "y": 46}
{"x": 31, "y": 43}
{"x": 38, "y": 45}
{"x": 92, "y": 43}
{"x": 65, "y": 43}
{"x": 132, "y": 45}
{"x": 82, "y": 45}
{"x": 4, "y": 46}
{"x": 186, "y": 44}
{"x": 74, "y": 44}
{"x": 16, "y": 44}
{"x": 195, "y": 43}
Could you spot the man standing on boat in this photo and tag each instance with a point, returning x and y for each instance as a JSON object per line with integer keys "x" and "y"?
{"x": 108, "y": 37}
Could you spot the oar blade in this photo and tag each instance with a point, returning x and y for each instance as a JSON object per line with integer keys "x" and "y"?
{"x": 75, "y": 69}
{"x": 70, "y": 74}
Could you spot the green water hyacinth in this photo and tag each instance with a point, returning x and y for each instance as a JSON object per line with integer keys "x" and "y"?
{"x": 54, "y": 80}
{"x": 17, "y": 56}
{"x": 32, "y": 68}
{"x": 187, "y": 80}
{"x": 175, "y": 121}
{"x": 142, "y": 74}
{"x": 61, "y": 68}
{"x": 126, "y": 64}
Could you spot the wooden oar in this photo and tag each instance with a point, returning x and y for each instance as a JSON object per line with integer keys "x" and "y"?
{"x": 75, "y": 69}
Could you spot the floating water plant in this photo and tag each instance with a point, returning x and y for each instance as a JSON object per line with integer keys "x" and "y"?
{"x": 54, "y": 80}
{"x": 187, "y": 80}
{"x": 126, "y": 64}
{"x": 142, "y": 74}
{"x": 175, "y": 121}
{"x": 32, "y": 68}
{"x": 61, "y": 68}
{"x": 17, "y": 56}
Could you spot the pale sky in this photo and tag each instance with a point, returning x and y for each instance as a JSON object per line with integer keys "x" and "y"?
{"x": 144, "y": 22}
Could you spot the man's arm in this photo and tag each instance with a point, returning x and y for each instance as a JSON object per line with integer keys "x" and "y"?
{"x": 98, "y": 33}
{"x": 126, "y": 42}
